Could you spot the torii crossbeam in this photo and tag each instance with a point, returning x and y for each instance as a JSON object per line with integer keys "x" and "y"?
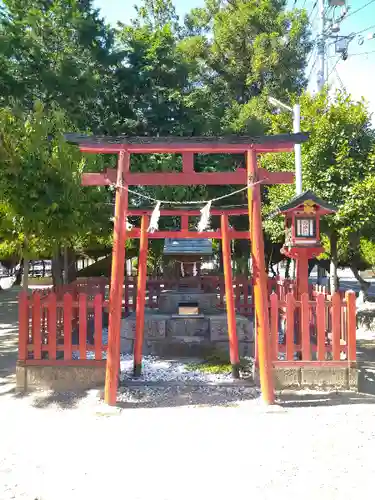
{"x": 250, "y": 147}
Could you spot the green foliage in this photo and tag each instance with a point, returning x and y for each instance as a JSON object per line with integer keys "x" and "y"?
{"x": 242, "y": 49}
{"x": 367, "y": 249}
{"x": 40, "y": 183}
{"x": 338, "y": 165}
{"x": 58, "y": 52}
{"x": 210, "y": 74}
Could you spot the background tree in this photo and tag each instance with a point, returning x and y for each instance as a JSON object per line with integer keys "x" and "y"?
{"x": 62, "y": 53}
{"x": 338, "y": 165}
{"x": 40, "y": 183}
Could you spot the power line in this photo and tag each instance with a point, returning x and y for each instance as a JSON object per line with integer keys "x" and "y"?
{"x": 311, "y": 53}
{"x": 357, "y": 54}
{"x": 312, "y": 21}
{"x": 312, "y": 10}
{"x": 359, "y": 10}
{"x": 334, "y": 67}
{"x": 369, "y": 28}
{"x": 339, "y": 79}
{"x": 362, "y": 53}
{"x": 312, "y": 68}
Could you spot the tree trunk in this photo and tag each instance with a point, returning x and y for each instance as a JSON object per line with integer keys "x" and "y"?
{"x": 72, "y": 269}
{"x": 333, "y": 281}
{"x": 66, "y": 266}
{"x": 26, "y": 268}
{"x": 364, "y": 285}
{"x": 26, "y": 265}
{"x": 18, "y": 274}
{"x": 57, "y": 268}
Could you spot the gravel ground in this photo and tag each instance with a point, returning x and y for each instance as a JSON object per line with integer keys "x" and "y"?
{"x": 180, "y": 443}
{"x": 61, "y": 446}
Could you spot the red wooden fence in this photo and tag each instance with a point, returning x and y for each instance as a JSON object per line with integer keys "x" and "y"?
{"x": 242, "y": 289}
{"x": 49, "y": 332}
{"x": 319, "y": 329}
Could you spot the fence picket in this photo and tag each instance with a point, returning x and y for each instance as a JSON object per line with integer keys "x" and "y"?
{"x": 290, "y": 307}
{"x": 68, "y": 319}
{"x": 37, "y": 333}
{"x": 274, "y": 326}
{"x": 23, "y": 321}
{"x": 351, "y": 325}
{"x": 52, "y": 325}
{"x": 321, "y": 325}
{"x": 82, "y": 325}
{"x": 305, "y": 324}
{"x": 336, "y": 325}
{"x": 98, "y": 320}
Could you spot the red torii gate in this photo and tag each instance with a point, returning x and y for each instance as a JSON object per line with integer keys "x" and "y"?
{"x": 252, "y": 176}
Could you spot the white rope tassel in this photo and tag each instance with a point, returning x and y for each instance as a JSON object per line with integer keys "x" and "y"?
{"x": 205, "y": 217}
{"x": 155, "y": 216}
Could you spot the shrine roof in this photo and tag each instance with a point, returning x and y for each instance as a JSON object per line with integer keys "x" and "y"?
{"x": 183, "y": 143}
{"x": 187, "y": 246}
{"x": 302, "y": 198}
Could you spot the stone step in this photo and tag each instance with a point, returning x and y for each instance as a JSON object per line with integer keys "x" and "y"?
{"x": 189, "y": 339}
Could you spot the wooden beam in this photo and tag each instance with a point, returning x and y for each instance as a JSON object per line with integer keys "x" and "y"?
{"x": 160, "y": 235}
{"x": 237, "y": 177}
{"x": 117, "y": 281}
{"x": 188, "y": 162}
{"x": 260, "y": 282}
{"x": 141, "y": 297}
{"x": 185, "y": 223}
{"x": 231, "y": 314}
{"x": 193, "y": 147}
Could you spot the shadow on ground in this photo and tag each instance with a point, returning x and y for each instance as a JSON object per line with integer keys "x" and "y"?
{"x": 295, "y": 400}
{"x": 366, "y": 366}
{"x": 8, "y": 331}
{"x": 63, "y": 400}
{"x": 153, "y": 397}
{"x": 138, "y": 397}
{"x": 47, "y": 399}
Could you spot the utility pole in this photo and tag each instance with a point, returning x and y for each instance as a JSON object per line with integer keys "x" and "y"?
{"x": 321, "y": 46}
{"x": 296, "y": 111}
{"x": 297, "y": 148}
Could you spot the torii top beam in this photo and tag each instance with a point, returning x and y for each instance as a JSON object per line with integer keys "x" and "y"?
{"x": 187, "y": 146}
{"x": 173, "y": 144}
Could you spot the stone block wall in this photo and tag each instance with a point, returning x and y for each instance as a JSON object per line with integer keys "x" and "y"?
{"x": 321, "y": 378}
{"x": 164, "y": 335}
{"x": 59, "y": 378}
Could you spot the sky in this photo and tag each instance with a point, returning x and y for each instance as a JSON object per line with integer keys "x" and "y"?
{"x": 355, "y": 74}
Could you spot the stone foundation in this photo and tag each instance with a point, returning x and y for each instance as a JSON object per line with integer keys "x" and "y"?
{"x": 309, "y": 377}
{"x": 59, "y": 378}
{"x": 165, "y": 335}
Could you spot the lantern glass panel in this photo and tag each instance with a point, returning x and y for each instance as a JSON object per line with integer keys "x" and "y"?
{"x": 305, "y": 227}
